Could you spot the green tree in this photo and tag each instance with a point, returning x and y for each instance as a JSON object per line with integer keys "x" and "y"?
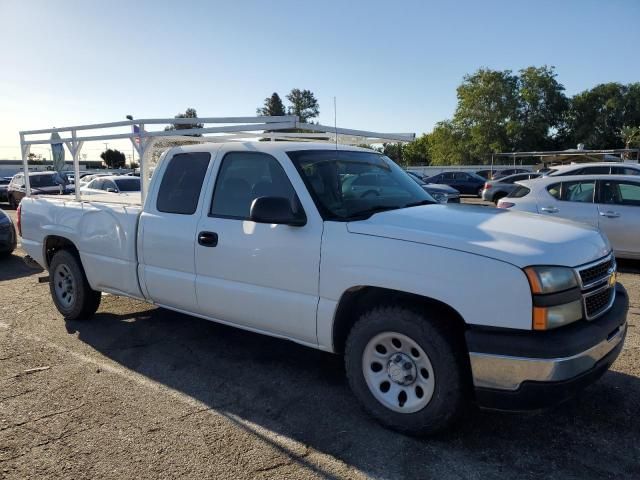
{"x": 417, "y": 152}
{"x": 303, "y": 104}
{"x": 273, "y": 106}
{"x": 113, "y": 158}
{"x": 189, "y": 113}
{"x": 487, "y": 111}
{"x": 542, "y": 106}
{"x": 448, "y": 146}
{"x": 630, "y": 136}
{"x": 394, "y": 151}
{"x": 596, "y": 116}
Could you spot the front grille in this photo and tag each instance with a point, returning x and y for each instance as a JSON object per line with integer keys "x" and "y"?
{"x": 597, "y": 272}
{"x": 597, "y": 303}
{"x": 597, "y": 293}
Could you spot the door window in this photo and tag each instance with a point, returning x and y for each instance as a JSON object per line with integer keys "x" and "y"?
{"x": 625, "y": 171}
{"x": 602, "y": 170}
{"x": 554, "y": 190}
{"x": 578, "y": 191}
{"x": 181, "y": 183}
{"x": 245, "y": 176}
{"x": 461, "y": 176}
{"x": 620, "y": 193}
{"x": 108, "y": 184}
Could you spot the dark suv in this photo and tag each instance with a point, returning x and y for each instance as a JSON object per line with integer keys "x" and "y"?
{"x": 40, "y": 182}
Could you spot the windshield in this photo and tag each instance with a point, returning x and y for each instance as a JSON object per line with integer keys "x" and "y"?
{"x": 38, "y": 181}
{"x": 128, "y": 184}
{"x": 350, "y": 185}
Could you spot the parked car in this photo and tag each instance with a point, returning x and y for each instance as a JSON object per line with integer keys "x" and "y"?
{"x": 41, "y": 183}
{"x": 601, "y": 168}
{"x": 266, "y": 241}
{"x": 8, "y": 238}
{"x": 494, "y": 190}
{"x": 118, "y": 184}
{"x": 498, "y": 174}
{"x": 486, "y": 173}
{"x": 441, "y": 193}
{"x": 85, "y": 179}
{"x": 465, "y": 182}
{"x": 4, "y": 185}
{"x": 608, "y": 202}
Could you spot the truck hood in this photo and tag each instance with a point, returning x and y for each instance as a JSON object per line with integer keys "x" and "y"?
{"x": 518, "y": 238}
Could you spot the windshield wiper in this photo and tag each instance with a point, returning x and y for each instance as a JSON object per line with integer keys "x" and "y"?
{"x": 417, "y": 204}
{"x": 375, "y": 209}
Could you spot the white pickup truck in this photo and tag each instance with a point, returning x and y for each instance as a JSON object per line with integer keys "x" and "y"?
{"x": 433, "y": 306}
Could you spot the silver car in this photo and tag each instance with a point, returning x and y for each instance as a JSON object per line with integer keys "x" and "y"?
{"x": 494, "y": 190}
{"x": 608, "y": 202}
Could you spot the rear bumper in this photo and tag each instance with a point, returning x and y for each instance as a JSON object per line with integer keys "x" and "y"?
{"x": 529, "y": 370}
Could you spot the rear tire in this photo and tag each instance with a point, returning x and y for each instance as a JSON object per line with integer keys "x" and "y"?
{"x": 70, "y": 290}
{"x": 406, "y": 370}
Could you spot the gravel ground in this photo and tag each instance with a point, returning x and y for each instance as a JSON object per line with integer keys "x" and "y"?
{"x": 143, "y": 392}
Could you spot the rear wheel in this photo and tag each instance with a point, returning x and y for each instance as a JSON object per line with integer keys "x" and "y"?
{"x": 69, "y": 287}
{"x": 405, "y": 371}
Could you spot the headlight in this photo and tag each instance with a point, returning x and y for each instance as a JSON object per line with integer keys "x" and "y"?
{"x": 550, "y": 279}
{"x": 440, "y": 197}
{"x": 546, "y": 318}
{"x": 557, "y": 299}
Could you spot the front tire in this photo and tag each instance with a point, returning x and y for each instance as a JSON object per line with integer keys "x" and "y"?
{"x": 70, "y": 290}
{"x": 407, "y": 371}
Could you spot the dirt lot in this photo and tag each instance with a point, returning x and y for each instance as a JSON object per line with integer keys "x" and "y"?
{"x": 142, "y": 392}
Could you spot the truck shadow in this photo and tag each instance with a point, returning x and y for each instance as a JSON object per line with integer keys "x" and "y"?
{"x": 13, "y": 266}
{"x": 302, "y": 394}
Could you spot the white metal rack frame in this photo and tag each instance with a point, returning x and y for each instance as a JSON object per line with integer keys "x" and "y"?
{"x": 228, "y": 129}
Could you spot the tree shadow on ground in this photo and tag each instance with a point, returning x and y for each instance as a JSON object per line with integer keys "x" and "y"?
{"x": 302, "y": 394}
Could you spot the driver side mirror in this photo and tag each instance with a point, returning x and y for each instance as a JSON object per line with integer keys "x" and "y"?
{"x": 276, "y": 210}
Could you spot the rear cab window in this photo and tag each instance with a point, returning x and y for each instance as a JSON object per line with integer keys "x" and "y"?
{"x": 181, "y": 184}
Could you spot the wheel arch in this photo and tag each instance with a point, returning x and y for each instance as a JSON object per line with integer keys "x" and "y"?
{"x": 358, "y": 299}
{"x": 55, "y": 243}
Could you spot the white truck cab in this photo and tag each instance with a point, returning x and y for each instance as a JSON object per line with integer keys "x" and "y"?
{"x": 432, "y": 305}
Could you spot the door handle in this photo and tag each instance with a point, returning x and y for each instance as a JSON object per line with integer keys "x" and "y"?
{"x": 549, "y": 209}
{"x": 609, "y": 214}
{"x": 208, "y": 239}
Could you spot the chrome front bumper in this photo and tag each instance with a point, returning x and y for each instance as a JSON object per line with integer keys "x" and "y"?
{"x": 505, "y": 372}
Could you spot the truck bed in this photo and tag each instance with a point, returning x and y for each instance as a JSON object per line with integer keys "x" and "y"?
{"x": 104, "y": 232}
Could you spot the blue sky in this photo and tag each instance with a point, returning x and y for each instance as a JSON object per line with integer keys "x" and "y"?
{"x": 393, "y": 66}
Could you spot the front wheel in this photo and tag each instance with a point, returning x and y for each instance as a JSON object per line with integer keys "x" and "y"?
{"x": 71, "y": 293}
{"x": 405, "y": 370}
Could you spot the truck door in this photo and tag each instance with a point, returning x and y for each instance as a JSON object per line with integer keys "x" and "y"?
{"x": 167, "y": 231}
{"x": 259, "y": 276}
